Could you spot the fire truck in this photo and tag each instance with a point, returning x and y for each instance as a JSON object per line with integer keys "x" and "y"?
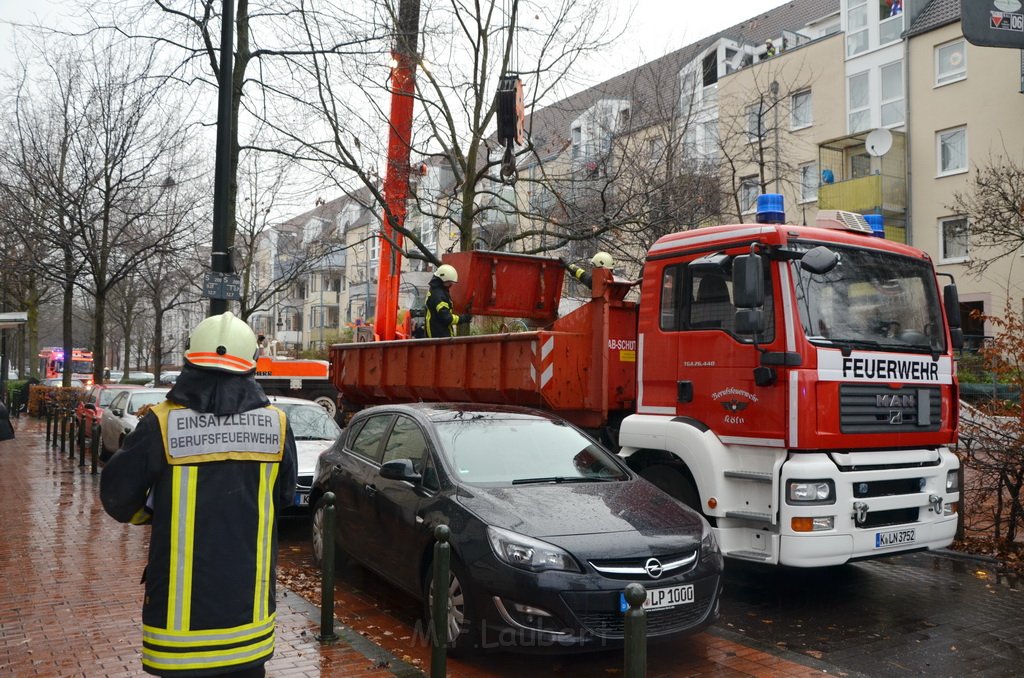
{"x": 298, "y": 378}
{"x": 795, "y": 384}
{"x": 52, "y": 364}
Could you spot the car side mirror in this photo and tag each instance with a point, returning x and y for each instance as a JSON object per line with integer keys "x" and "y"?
{"x": 117, "y": 412}
{"x": 400, "y": 469}
{"x": 90, "y": 406}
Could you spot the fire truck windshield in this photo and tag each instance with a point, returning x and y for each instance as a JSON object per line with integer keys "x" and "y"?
{"x": 871, "y": 300}
{"x": 81, "y": 366}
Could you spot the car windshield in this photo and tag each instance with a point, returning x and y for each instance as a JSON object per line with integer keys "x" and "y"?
{"x": 517, "y": 451}
{"x": 310, "y": 422}
{"x": 872, "y": 300}
{"x": 106, "y": 395}
{"x": 140, "y": 400}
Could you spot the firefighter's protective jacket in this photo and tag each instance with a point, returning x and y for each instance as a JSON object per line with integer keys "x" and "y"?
{"x": 212, "y": 466}
{"x": 580, "y": 274}
{"x": 441, "y": 319}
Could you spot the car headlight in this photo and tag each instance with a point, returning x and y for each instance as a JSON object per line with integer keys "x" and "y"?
{"x": 810, "y": 492}
{"x": 953, "y": 481}
{"x": 527, "y": 553}
{"x": 708, "y": 542}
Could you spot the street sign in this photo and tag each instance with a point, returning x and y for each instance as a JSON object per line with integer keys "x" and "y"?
{"x": 218, "y": 285}
{"x": 993, "y": 23}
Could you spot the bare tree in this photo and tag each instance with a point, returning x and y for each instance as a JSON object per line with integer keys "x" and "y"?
{"x": 993, "y": 205}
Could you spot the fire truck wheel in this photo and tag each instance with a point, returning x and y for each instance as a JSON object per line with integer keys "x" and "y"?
{"x": 327, "y": 401}
{"x": 673, "y": 482}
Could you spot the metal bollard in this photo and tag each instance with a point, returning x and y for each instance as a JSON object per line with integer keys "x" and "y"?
{"x": 636, "y": 633}
{"x": 94, "y": 447}
{"x": 49, "y": 424}
{"x": 63, "y": 431}
{"x": 439, "y": 606}
{"x": 327, "y": 633}
{"x": 70, "y": 421}
{"x": 80, "y": 426}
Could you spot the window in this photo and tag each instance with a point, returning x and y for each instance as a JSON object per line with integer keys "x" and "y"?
{"x": 890, "y": 17}
{"x": 755, "y": 123}
{"x": 809, "y": 182}
{"x": 800, "y": 110}
{"x": 406, "y": 442}
{"x": 703, "y": 301}
{"x": 892, "y": 94}
{"x": 577, "y": 141}
{"x": 367, "y": 440}
{"x": 952, "y": 151}
{"x": 749, "y": 189}
{"x": 950, "y": 63}
{"x": 856, "y": 27}
{"x": 860, "y": 103}
{"x": 624, "y": 119}
{"x": 709, "y": 139}
{"x": 953, "y": 239}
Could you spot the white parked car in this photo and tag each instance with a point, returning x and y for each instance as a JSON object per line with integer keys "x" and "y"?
{"x": 315, "y": 430}
{"x": 121, "y": 417}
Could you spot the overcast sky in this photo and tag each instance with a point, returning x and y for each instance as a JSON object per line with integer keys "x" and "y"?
{"x": 657, "y": 27}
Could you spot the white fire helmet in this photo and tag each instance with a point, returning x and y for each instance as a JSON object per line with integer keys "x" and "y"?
{"x": 447, "y": 273}
{"x": 223, "y": 342}
{"x": 602, "y": 260}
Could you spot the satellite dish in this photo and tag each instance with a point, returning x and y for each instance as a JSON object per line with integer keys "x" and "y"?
{"x": 878, "y": 142}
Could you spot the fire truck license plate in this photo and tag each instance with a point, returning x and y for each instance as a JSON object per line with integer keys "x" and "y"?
{"x": 895, "y": 538}
{"x": 659, "y": 599}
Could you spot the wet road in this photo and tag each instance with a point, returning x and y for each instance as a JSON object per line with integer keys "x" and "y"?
{"x": 919, "y": 614}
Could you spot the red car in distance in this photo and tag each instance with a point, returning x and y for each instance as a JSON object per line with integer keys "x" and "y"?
{"x": 90, "y": 409}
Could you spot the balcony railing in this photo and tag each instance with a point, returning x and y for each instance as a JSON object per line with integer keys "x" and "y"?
{"x": 872, "y": 194}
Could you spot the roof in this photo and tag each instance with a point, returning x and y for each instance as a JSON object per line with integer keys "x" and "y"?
{"x": 936, "y": 14}
{"x": 653, "y": 88}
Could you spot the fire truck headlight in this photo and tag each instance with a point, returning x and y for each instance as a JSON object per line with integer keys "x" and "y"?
{"x": 953, "y": 481}
{"x": 810, "y": 492}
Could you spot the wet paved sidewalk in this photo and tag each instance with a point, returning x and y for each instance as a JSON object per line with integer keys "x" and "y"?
{"x": 70, "y": 597}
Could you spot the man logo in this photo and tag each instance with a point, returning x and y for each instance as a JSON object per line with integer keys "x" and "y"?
{"x": 653, "y": 568}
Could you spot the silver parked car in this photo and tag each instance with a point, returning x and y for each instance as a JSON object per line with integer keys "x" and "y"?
{"x": 314, "y": 430}
{"x": 121, "y": 417}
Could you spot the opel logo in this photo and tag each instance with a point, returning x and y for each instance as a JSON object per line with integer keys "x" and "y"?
{"x": 653, "y": 568}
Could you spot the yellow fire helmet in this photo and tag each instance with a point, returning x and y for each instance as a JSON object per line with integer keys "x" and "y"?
{"x": 602, "y": 260}
{"x": 223, "y": 342}
{"x": 447, "y": 273}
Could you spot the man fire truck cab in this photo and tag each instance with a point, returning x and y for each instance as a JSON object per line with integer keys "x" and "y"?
{"x": 795, "y": 384}
{"x": 52, "y": 364}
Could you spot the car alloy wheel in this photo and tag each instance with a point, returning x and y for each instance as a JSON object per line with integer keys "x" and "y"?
{"x": 318, "y": 535}
{"x": 460, "y": 626}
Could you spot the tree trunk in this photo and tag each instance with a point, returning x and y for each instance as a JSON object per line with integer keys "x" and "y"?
{"x": 99, "y": 345}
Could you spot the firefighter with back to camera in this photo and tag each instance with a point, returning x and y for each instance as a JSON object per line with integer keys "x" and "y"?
{"x": 209, "y": 468}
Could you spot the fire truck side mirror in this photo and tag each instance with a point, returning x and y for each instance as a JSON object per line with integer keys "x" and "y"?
{"x": 951, "y": 300}
{"x": 748, "y": 281}
{"x": 819, "y": 260}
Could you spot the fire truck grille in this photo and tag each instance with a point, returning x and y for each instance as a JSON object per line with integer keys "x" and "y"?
{"x": 871, "y": 408}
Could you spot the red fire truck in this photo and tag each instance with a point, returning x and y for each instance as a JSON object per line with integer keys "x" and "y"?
{"x": 794, "y": 384}
{"x": 52, "y": 364}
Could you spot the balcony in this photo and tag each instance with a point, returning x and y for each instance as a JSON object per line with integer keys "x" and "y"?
{"x": 875, "y": 182}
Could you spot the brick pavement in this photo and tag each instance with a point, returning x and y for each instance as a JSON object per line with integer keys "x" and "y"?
{"x": 70, "y": 599}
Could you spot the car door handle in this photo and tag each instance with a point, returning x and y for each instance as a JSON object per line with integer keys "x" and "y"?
{"x": 370, "y": 489}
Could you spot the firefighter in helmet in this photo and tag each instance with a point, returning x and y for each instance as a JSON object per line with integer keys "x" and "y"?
{"x": 441, "y": 318}
{"x": 209, "y": 468}
{"x": 599, "y": 260}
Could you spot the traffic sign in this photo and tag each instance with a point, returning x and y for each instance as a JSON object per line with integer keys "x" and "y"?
{"x": 993, "y": 23}
{"x": 218, "y": 285}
